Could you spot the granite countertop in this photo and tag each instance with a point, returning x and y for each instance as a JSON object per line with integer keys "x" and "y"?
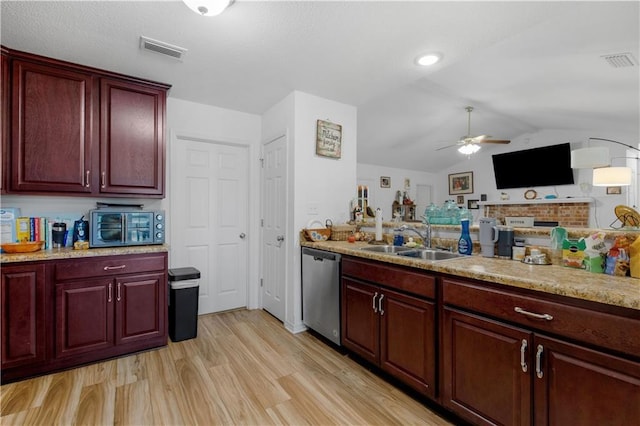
{"x": 555, "y": 279}
{"x": 69, "y": 253}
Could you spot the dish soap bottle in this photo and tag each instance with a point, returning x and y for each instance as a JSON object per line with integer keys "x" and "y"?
{"x": 465, "y": 246}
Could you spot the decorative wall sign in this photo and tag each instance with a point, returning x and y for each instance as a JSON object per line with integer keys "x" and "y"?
{"x": 614, "y": 190}
{"x": 328, "y": 139}
{"x": 461, "y": 183}
{"x": 385, "y": 182}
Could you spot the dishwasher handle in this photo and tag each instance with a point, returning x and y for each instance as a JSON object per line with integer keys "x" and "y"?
{"x": 321, "y": 255}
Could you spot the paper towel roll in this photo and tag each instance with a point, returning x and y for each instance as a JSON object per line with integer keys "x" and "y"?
{"x": 378, "y": 224}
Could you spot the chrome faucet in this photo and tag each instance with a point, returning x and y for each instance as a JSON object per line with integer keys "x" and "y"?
{"x": 426, "y": 237}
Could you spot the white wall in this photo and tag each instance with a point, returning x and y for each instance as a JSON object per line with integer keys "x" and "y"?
{"x": 226, "y": 126}
{"x": 368, "y": 174}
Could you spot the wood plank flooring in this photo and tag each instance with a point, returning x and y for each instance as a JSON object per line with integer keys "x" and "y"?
{"x": 244, "y": 368}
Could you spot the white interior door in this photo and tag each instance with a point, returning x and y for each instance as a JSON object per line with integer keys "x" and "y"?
{"x": 274, "y": 213}
{"x": 209, "y": 219}
{"x": 423, "y": 199}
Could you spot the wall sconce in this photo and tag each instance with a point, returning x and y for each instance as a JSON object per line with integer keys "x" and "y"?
{"x": 208, "y": 7}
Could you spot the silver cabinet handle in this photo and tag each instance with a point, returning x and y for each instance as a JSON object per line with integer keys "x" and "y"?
{"x": 109, "y": 293}
{"x": 242, "y": 235}
{"x": 380, "y": 304}
{"x": 111, "y": 268}
{"x": 539, "y": 362}
{"x": 118, "y": 293}
{"x": 375, "y": 308}
{"x": 87, "y": 184}
{"x": 532, "y": 314}
{"x": 523, "y": 350}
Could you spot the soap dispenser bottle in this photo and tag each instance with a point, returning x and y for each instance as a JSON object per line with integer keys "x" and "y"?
{"x": 465, "y": 246}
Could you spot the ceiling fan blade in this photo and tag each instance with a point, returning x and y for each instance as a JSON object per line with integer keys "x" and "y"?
{"x": 479, "y": 138}
{"x": 498, "y": 141}
{"x": 448, "y": 146}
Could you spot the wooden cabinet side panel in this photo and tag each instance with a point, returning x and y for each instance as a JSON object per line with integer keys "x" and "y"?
{"x": 132, "y": 149}
{"x": 483, "y": 380}
{"x": 141, "y": 303}
{"x": 84, "y": 317}
{"x": 360, "y": 323}
{"x": 585, "y": 387}
{"x": 407, "y": 340}
{"x": 50, "y": 128}
{"x": 23, "y": 315}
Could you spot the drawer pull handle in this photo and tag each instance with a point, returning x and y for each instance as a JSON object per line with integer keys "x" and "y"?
{"x": 111, "y": 268}
{"x": 380, "y": 304}
{"x": 375, "y": 308}
{"x": 523, "y": 349}
{"x": 110, "y": 290}
{"x": 118, "y": 293}
{"x": 539, "y": 362}
{"x": 532, "y": 314}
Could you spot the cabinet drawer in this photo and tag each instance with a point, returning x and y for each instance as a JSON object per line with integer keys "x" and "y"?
{"x": 104, "y": 266}
{"x": 390, "y": 276}
{"x": 618, "y": 333}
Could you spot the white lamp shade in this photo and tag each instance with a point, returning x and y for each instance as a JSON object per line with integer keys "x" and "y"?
{"x": 207, "y": 7}
{"x": 469, "y": 149}
{"x": 590, "y": 158}
{"x": 612, "y": 176}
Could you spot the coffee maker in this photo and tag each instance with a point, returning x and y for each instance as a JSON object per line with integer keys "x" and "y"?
{"x": 488, "y": 236}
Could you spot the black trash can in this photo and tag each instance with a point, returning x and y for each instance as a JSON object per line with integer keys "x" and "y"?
{"x": 183, "y": 303}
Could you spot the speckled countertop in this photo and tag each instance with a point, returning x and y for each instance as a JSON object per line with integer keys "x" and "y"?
{"x": 555, "y": 279}
{"x": 69, "y": 253}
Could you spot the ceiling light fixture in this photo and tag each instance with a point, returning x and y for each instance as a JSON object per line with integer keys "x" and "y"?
{"x": 208, "y": 7}
{"x": 469, "y": 149}
{"x": 428, "y": 59}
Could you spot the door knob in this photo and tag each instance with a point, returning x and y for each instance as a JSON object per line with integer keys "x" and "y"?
{"x": 243, "y": 235}
{"x": 280, "y": 238}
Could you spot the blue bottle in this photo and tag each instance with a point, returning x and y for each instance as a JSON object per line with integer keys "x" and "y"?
{"x": 465, "y": 246}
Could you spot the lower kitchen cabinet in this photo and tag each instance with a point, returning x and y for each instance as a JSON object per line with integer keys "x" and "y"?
{"x": 23, "y": 315}
{"x": 391, "y": 329}
{"x": 511, "y": 373}
{"x": 63, "y": 313}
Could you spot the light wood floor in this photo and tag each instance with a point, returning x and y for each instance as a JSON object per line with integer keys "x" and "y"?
{"x": 243, "y": 368}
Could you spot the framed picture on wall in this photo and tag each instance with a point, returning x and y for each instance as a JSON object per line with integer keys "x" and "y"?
{"x": 385, "y": 182}
{"x": 473, "y": 205}
{"x": 461, "y": 183}
{"x": 614, "y": 190}
{"x": 328, "y": 139}
{"x": 460, "y": 200}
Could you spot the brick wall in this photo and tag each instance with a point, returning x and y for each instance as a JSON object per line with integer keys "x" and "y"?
{"x": 573, "y": 215}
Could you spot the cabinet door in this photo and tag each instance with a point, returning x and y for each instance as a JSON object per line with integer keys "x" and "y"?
{"x": 84, "y": 316}
{"x": 360, "y": 321}
{"x": 141, "y": 307}
{"x": 407, "y": 340}
{"x": 23, "y": 315}
{"x": 4, "y": 118}
{"x": 483, "y": 379}
{"x": 51, "y": 130}
{"x": 584, "y": 387}
{"x": 132, "y": 150}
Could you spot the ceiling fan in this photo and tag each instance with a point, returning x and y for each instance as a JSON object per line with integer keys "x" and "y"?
{"x": 471, "y": 144}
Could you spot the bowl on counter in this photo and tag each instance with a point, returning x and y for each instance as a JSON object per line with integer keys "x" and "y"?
{"x": 23, "y": 247}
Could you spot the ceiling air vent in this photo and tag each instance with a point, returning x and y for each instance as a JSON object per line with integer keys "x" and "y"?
{"x": 620, "y": 60}
{"x": 162, "y": 48}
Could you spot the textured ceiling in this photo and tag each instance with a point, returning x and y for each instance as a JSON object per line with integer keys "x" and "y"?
{"x": 525, "y": 66}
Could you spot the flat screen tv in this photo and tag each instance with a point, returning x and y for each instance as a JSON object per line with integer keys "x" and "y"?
{"x": 544, "y": 166}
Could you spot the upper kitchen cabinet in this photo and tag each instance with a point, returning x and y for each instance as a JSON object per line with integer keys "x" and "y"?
{"x": 4, "y": 117}
{"x": 132, "y": 150}
{"x": 76, "y": 130}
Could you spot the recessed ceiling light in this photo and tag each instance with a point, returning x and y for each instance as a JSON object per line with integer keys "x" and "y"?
{"x": 428, "y": 59}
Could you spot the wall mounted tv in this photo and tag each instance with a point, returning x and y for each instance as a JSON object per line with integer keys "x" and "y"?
{"x": 544, "y": 166}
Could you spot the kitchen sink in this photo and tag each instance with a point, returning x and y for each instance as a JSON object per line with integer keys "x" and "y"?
{"x": 429, "y": 254}
{"x": 387, "y": 249}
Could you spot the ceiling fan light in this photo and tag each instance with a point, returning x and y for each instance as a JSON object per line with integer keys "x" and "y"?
{"x": 208, "y": 7}
{"x": 612, "y": 176}
{"x": 469, "y": 149}
{"x": 428, "y": 59}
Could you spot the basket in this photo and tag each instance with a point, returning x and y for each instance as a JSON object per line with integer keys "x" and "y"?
{"x": 342, "y": 232}
{"x": 22, "y": 247}
{"x": 318, "y": 234}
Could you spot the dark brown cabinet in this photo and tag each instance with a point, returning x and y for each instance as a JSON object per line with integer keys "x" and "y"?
{"x": 23, "y": 315}
{"x": 389, "y": 328}
{"x": 62, "y": 313}
{"x": 4, "y": 117}
{"x": 76, "y": 130}
{"x": 500, "y": 367}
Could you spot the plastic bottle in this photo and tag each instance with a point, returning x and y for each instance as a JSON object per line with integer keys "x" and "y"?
{"x": 465, "y": 246}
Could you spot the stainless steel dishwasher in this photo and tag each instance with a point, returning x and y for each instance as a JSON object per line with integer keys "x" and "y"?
{"x": 321, "y": 292}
